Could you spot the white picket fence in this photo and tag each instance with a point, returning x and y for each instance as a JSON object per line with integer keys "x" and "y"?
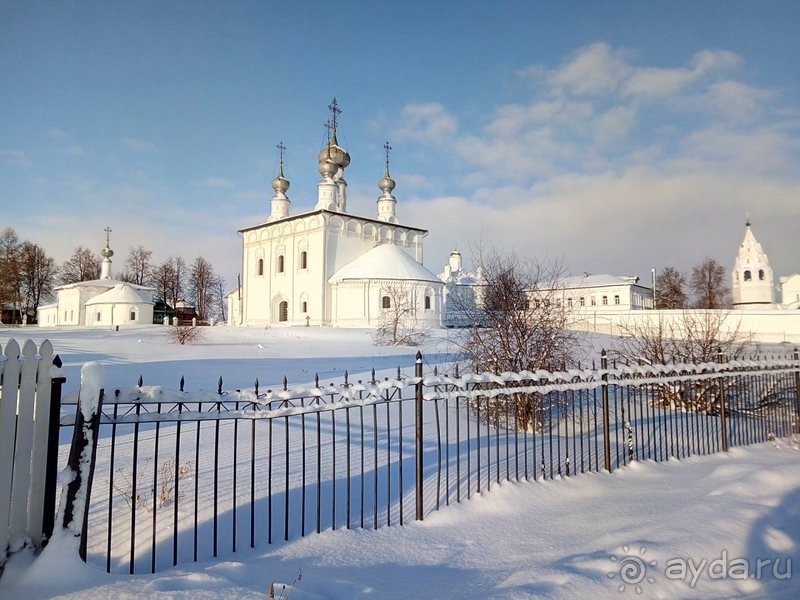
{"x": 25, "y": 379}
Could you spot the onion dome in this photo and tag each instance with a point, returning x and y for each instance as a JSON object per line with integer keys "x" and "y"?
{"x": 338, "y": 155}
{"x": 387, "y": 184}
{"x": 327, "y": 167}
{"x": 280, "y": 184}
{"x": 106, "y": 252}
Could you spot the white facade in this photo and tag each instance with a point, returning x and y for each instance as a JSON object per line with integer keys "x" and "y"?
{"x": 294, "y": 268}
{"x": 790, "y": 291}
{"x": 753, "y": 285}
{"x": 103, "y": 301}
{"x": 605, "y": 292}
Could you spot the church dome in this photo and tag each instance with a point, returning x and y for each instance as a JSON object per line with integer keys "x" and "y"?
{"x": 280, "y": 184}
{"x": 106, "y": 252}
{"x": 339, "y": 156}
{"x": 387, "y": 184}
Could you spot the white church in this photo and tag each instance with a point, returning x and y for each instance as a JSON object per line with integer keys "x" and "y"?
{"x": 99, "y": 302}
{"x": 327, "y": 267}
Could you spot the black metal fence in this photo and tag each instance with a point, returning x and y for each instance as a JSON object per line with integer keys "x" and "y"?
{"x": 182, "y": 476}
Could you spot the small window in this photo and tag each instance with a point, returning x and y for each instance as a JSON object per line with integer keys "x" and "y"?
{"x": 593, "y": 301}
{"x": 260, "y": 266}
{"x": 583, "y": 301}
{"x": 133, "y": 315}
{"x": 616, "y": 299}
{"x": 386, "y": 302}
{"x": 98, "y": 315}
{"x": 280, "y": 263}
{"x": 283, "y": 311}
{"x": 569, "y": 302}
{"x": 747, "y": 276}
{"x": 304, "y": 307}
{"x": 304, "y": 260}
{"x": 761, "y": 274}
{"x": 70, "y": 315}
{"x": 605, "y": 300}
{"x": 65, "y": 316}
{"x": 427, "y": 302}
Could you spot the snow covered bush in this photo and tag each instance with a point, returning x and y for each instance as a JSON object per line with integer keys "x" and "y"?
{"x": 398, "y": 325}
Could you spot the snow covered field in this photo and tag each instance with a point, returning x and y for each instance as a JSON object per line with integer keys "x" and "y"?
{"x": 552, "y": 539}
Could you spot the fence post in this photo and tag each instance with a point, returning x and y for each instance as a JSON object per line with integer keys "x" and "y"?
{"x": 51, "y": 475}
{"x": 606, "y": 428}
{"x": 722, "y": 416}
{"x": 87, "y": 424}
{"x": 797, "y": 387}
{"x": 418, "y": 424}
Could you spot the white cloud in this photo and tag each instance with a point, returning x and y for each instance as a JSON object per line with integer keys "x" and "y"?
{"x": 57, "y": 134}
{"x": 428, "y": 122}
{"x": 593, "y": 70}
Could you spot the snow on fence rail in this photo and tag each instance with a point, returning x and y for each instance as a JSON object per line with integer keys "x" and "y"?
{"x": 183, "y": 476}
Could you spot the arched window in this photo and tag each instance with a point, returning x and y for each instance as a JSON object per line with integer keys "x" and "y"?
{"x": 386, "y": 302}
{"x": 133, "y": 315}
{"x": 304, "y": 307}
{"x": 283, "y": 311}
{"x": 98, "y": 315}
{"x": 304, "y": 260}
{"x": 747, "y": 276}
{"x": 427, "y": 302}
{"x": 761, "y": 274}
{"x": 280, "y": 263}
{"x": 260, "y": 266}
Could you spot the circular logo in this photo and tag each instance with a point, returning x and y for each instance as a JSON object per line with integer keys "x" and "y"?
{"x": 632, "y": 569}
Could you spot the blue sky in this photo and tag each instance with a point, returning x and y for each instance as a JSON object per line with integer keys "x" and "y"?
{"x": 618, "y": 136}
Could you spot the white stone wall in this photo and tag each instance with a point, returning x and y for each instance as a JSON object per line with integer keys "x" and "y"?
{"x": 767, "y": 326}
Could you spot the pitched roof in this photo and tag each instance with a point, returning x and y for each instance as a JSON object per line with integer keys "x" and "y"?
{"x": 122, "y": 293}
{"x": 106, "y": 283}
{"x": 386, "y": 261}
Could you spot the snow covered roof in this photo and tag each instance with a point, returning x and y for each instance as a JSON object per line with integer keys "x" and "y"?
{"x": 106, "y": 283}
{"x": 122, "y": 293}
{"x": 590, "y": 281}
{"x": 333, "y": 212}
{"x": 386, "y": 261}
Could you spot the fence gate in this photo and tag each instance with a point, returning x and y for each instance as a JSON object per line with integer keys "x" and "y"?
{"x": 30, "y": 403}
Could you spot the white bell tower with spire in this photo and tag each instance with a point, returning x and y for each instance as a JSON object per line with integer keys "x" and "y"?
{"x": 280, "y": 201}
{"x": 106, "y": 253}
{"x": 752, "y": 276}
{"x": 386, "y": 201}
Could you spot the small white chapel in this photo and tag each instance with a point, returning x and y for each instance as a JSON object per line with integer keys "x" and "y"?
{"x": 327, "y": 267}
{"x": 99, "y": 302}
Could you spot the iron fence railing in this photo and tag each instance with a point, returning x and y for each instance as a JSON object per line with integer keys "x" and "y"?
{"x": 181, "y": 476}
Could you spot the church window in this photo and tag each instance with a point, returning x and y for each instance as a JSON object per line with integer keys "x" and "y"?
{"x": 260, "y": 266}
{"x": 427, "y": 302}
{"x": 569, "y": 302}
{"x": 583, "y": 301}
{"x": 133, "y": 315}
{"x": 594, "y": 303}
{"x": 605, "y": 300}
{"x": 283, "y": 311}
{"x": 65, "y": 315}
{"x": 98, "y": 315}
{"x": 616, "y": 299}
{"x": 304, "y": 307}
{"x": 304, "y": 260}
{"x": 747, "y": 276}
{"x": 761, "y": 274}
{"x": 70, "y": 315}
{"x": 386, "y": 302}
{"x": 280, "y": 263}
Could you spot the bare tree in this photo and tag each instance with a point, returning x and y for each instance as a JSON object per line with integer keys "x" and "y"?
{"x": 82, "y": 266}
{"x": 398, "y": 325}
{"x": 163, "y": 276}
{"x": 138, "y": 268}
{"x": 219, "y": 298}
{"x": 180, "y": 273}
{"x": 38, "y": 276}
{"x": 201, "y": 287}
{"x": 517, "y": 320}
{"x": 709, "y": 285}
{"x": 10, "y": 281}
{"x": 671, "y": 289}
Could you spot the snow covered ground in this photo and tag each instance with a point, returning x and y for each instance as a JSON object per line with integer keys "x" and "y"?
{"x": 553, "y": 539}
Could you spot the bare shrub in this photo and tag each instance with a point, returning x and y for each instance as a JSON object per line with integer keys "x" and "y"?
{"x": 184, "y": 334}
{"x": 691, "y": 337}
{"x": 398, "y": 324}
{"x": 169, "y": 474}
